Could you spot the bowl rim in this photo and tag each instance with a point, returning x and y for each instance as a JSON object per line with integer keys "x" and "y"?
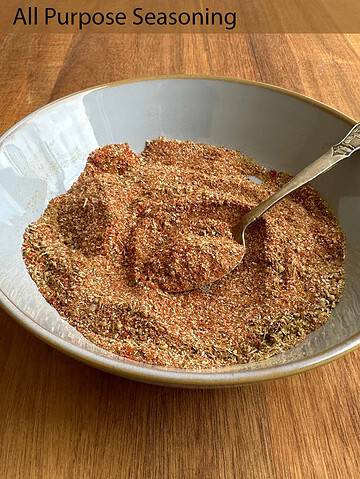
{"x": 179, "y": 377}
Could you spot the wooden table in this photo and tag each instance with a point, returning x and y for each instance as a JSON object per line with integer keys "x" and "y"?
{"x": 62, "y": 419}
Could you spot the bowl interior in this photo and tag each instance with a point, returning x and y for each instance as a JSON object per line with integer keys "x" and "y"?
{"x": 42, "y": 156}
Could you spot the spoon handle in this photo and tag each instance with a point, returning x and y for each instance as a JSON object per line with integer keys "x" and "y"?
{"x": 338, "y": 152}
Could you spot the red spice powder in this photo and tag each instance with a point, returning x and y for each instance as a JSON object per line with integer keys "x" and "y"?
{"x": 113, "y": 254}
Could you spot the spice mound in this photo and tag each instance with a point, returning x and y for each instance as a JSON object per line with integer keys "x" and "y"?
{"x": 190, "y": 261}
{"x": 129, "y": 256}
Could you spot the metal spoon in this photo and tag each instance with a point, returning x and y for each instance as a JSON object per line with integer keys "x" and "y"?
{"x": 338, "y": 152}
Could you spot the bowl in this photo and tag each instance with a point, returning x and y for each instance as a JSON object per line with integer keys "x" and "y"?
{"x": 42, "y": 155}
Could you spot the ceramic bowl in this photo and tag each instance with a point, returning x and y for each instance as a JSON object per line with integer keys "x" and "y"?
{"x": 42, "y": 155}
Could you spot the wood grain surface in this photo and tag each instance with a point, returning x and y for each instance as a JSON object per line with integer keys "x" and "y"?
{"x": 62, "y": 419}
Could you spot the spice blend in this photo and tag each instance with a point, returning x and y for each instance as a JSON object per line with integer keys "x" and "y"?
{"x": 115, "y": 252}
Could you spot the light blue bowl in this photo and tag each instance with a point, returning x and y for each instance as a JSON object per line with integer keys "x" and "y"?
{"x": 42, "y": 155}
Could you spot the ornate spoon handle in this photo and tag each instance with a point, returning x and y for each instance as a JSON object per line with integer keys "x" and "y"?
{"x": 338, "y": 152}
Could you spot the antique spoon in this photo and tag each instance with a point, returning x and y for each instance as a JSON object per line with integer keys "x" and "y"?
{"x": 338, "y": 152}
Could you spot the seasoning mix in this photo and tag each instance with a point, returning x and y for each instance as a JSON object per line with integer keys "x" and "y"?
{"x": 134, "y": 256}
